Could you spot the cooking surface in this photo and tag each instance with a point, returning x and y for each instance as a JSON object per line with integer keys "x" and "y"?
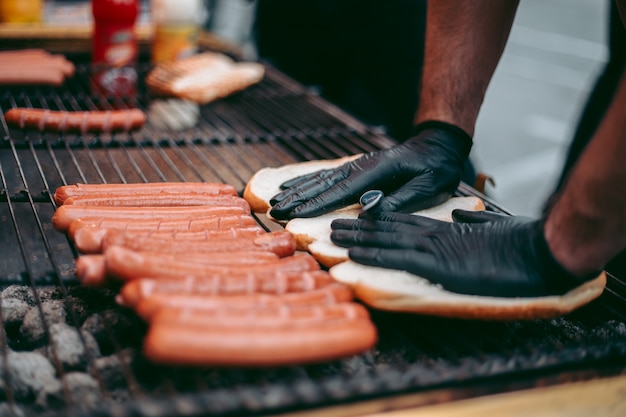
{"x": 270, "y": 124}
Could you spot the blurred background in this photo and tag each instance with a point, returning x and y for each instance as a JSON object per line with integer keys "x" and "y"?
{"x": 554, "y": 55}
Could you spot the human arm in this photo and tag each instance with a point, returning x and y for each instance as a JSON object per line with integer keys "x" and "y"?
{"x": 509, "y": 256}
{"x": 464, "y": 43}
{"x": 426, "y": 169}
{"x": 586, "y": 225}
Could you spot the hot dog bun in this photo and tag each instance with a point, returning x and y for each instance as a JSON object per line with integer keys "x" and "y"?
{"x": 265, "y": 183}
{"x": 392, "y": 290}
{"x": 204, "y": 77}
{"x": 313, "y": 234}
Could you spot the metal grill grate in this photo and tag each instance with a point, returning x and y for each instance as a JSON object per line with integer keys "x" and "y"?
{"x": 273, "y": 123}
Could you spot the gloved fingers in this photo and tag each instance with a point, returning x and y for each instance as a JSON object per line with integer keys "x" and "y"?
{"x": 369, "y": 225}
{"x": 340, "y": 194}
{"x": 485, "y": 216}
{"x": 412, "y": 219}
{"x": 307, "y": 193}
{"x": 308, "y": 185}
{"x": 419, "y": 263}
{"x": 380, "y": 239}
{"x": 482, "y": 216}
{"x": 419, "y": 193}
{"x": 294, "y": 182}
{"x": 395, "y": 221}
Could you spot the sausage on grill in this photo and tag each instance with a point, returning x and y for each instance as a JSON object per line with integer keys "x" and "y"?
{"x": 64, "y": 215}
{"x": 213, "y": 188}
{"x": 279, "y": 336}
{"x": 92, "y": 270}
{"x": 126, "y": 265}
{"x": 89, "y": 239}
{"x": 147, "y": 307}
{"x": 168, "y": 225}
{"x": 281, "y": 242}
{"x": 158, "y": 200}
{"x": 279, "y": 283}
{"x": 76, "y": 121}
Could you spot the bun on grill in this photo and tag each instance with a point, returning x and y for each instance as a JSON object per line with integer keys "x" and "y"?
{"x": 204, "y": 77}
{"x": 266, "y": 182}
{"x": 313, "y": 234}
{"x": 393, "y": 290}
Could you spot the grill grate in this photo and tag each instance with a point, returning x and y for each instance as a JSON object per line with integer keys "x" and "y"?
{"x": 273, "y": 123}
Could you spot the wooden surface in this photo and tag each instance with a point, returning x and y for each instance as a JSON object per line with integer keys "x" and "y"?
{"x": 604, "y": 397}
{"x": 77, "y": 38}
{"x": 595, "y": 392}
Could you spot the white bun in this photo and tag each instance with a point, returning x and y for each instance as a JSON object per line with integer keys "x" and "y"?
{"x": 392, "y": 290}
{"x": 313, "y": 234}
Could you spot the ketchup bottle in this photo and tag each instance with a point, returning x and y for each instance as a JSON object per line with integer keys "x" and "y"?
{"x": 114, "y": 45}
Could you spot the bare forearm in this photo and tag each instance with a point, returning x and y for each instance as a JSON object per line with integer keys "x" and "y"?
{"x": 587, "y": 225}
{"x": 464, "y": 42}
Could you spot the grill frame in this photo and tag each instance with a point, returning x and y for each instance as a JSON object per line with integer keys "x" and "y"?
{"x": 271, "y": 124}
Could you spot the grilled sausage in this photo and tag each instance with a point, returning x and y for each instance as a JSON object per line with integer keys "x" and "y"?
{"x": 79, "y": 190}
{"x": 264, "y": 316}
{"x": 76, "y": 121}
{"x": 169, "y": 225}
{"x": 277, "y": 337}
{"x": 281, "y": 242}
{"x": 52, "y": 76}
{"x": 330, "y": 294}
{"x": 37, "y": 60}
{"x": 89, "y": 239}
{"x": 126, "y": 265}
{"x": 280, "y": 283}
{"x": 159, "y": 200}
{"x": 92, "y": 270}
{"x": 65, "y": 215}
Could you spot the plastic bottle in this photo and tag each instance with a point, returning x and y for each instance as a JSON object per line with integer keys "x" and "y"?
{"x": 114, "y": 45}
{"x": 176, "y": 27}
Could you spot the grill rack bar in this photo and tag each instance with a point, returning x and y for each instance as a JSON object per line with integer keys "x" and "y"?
{"x": 277, "y": 123}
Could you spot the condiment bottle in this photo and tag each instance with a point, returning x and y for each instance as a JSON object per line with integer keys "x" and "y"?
{"x": 114, "y": 45}
{"x": 176, "y": 27}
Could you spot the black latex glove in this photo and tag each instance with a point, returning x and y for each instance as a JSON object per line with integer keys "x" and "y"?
{"x": 480, "y": 253}
{"x": 422, "y": 172}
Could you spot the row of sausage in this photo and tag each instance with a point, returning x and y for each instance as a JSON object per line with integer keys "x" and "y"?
{"x": 215, "y": 288}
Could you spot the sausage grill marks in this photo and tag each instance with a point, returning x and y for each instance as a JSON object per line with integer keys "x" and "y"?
{"x": 126, "y": 265}
{"x": 152, "y": 188}
{"x": 104, "y": 121}
{"x": 92, "y": 270}
{"x": 65, "y": 215}
{"x": 89, "y": 239}
{"x": 147, "y": 307}
{"x": 38, "y": 67}
{"x": 280, "y": 283}
{"x": 159, "y": 200}
{"x": 215, "y": 287}
{"x": 197, "y": 224}
{"x": 271, "y": 336}
{"x": 281, "y": 243}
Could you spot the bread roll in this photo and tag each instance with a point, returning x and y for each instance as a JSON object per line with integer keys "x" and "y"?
{"x": 392, "y": 290}
{"x": 313, "y": 234}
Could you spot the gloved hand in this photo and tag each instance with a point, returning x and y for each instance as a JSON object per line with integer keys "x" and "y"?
{"x": 421, "y": 172}
{"x": 480, "y": 253}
